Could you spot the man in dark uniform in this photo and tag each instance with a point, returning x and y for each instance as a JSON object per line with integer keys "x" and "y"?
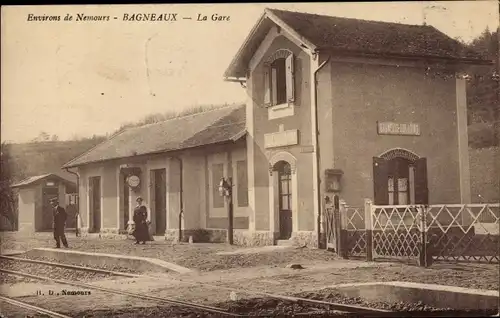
{"x": 59, "y": 223}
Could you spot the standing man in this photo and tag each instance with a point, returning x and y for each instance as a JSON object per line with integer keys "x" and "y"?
{"x": 59, "y": 223}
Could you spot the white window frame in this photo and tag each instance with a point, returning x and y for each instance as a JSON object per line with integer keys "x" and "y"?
{"x": 286, "y": 109}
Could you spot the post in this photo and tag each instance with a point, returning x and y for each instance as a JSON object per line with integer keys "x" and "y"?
{"x": 369, "y": 230}
{"x": 230, "y": 211}
{"x": 425, "y": 259}
{"x": 342, "y": 242}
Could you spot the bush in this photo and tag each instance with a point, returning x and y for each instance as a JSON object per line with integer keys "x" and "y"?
{"x": 8, "y": 202}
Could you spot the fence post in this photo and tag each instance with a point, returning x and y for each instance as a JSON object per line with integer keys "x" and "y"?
{"x": 368, "y": 229}
{"x": 425, "y": 259}
{"x": 342, "y": 243}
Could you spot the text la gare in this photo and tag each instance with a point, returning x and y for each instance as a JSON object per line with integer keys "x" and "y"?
{"x": 213, "y": 17}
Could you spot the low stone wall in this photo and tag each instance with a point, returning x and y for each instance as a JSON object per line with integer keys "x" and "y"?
{"x": 142, "y": 264}
{"x": 431, "y": 295}
{"x": 305, "y": 238}
{"x": 240, "y": 237}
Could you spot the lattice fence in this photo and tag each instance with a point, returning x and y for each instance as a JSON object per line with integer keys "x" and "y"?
{"x": 397, "y": 231}
{"x": 354, "y": 223}
{"x": 464, "y": 232}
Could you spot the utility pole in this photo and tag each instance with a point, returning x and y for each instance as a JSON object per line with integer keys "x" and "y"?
{"x": 226, "y": 190}
{"x": 230, "y": 211}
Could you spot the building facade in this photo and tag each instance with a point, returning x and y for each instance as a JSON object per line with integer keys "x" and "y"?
{"x": 34, "y": 195}
{"x": 382, "y": 105}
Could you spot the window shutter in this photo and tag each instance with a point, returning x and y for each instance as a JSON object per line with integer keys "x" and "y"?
{"x": 267, "y": 86}
{"x": 274, "y": 86}
{"x": 290, "y": 82}
{"x": 380, "y": 181}
{"x": 421, "y": 191}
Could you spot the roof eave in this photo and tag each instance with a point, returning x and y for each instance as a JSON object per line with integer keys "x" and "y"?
{"x": 20, "y": 184}
{"x": 406, "y": 56}
{"x": 232, "y": 70}
{"x": 235, "y": 79}
{"x": 229, "y": 72}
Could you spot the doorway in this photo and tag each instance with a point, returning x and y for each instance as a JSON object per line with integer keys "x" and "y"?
{"x": 400, "y": 179}
{"x": 126, "y": 201}
{"x": 160, "y": 200}
{"x": 95, "y": 204}
{"x": 48, "y": 192}
{"x": 285, "y": 199}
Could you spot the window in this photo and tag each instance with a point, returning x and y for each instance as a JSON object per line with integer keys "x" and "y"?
{"x": 217, "y": 174}
{"x": 398, "y": 191}
{"x": 285, "y": 191}
{"x": 279, "y": 79}
{"x": 390, "y": 189}
{"x": 242, "y": 189}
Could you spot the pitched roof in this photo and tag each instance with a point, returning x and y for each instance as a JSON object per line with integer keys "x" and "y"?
{"x": 35, "y": 179}
{"x": 350, "y": 35}
{"x": 206, "y": 128}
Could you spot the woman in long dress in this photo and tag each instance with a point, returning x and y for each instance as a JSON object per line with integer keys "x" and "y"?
{"x": 141, "y": 232}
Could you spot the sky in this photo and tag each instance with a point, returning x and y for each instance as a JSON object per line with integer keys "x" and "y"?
{"x": 79, "y": 78}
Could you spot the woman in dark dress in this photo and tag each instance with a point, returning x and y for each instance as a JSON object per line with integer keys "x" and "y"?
{"x": 141, "y": 232}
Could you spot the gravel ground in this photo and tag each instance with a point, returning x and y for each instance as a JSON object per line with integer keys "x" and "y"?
{"x": 200, "y": 256}
{"x": 7, "y": 311}
{"x": 203, "y": 257}
{"x": 476, "y": 276}
{"x": 104, "y": 266}
{"x": 51, "y": 271}
{"x": 11, "y": 279}
{"x": 266, "y": 307}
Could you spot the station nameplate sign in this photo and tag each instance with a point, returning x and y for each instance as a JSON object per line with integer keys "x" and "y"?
{"x": 405, "y": 129}
{"x": 282, "y": 138}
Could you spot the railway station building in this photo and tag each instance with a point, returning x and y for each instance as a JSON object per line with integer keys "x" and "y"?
{"x": 362, "y": 109}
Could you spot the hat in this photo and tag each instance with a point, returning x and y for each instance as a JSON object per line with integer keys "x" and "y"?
{"x": 139, "y": 199}
{"x": 54, "y": 200}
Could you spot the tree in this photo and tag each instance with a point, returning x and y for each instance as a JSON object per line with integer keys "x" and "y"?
{"x": 483, "y": 93}
{"x": 7, "y": 198}
{"x": 42, "y": 136}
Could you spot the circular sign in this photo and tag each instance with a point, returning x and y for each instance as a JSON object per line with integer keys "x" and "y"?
{"x": 133, "y": 181}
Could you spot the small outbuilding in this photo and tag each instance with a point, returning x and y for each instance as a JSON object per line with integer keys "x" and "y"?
{"x": 34, "y": 194}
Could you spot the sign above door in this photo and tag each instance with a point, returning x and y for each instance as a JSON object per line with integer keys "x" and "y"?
{"x": 404, "y": 129}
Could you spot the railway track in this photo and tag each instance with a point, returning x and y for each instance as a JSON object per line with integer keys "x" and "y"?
{"x": 170, "y": 301}
{"x": 344, "y": 308}
{"x": 32, "y": 308}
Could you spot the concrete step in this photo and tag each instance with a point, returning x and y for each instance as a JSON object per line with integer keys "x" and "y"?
{"x": 284, "y": 242}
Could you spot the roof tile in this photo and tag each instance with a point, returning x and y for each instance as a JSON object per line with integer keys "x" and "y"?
{"x": 200, "y": 129}
{"x": 374, "y": 36}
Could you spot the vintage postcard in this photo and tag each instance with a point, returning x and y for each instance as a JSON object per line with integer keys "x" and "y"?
{"x": 251, "y": 159}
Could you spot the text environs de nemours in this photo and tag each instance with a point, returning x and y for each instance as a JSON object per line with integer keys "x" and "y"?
{"x": 68, "y": 17}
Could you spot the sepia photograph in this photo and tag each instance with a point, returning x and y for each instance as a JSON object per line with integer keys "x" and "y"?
{"x": 327, "y": 159}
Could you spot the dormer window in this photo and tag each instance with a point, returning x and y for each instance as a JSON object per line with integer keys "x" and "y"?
{"x": 279, "y": 79}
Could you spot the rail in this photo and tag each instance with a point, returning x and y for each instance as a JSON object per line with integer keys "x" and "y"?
{"x": 120, "y": 292}
{"x": 333, "y": 306}
{"x": 39, "y": 310}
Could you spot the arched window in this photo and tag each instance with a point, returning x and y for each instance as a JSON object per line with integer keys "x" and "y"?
{"x": 279, "y": 78}
{"x": 400, "y": 178}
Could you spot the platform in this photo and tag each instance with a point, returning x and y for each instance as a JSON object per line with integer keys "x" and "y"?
{"x": 143, "y": 264}
{"x": 438, "y": 296}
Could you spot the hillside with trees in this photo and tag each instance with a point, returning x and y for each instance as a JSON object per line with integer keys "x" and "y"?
{"x": 483, "y": 92}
